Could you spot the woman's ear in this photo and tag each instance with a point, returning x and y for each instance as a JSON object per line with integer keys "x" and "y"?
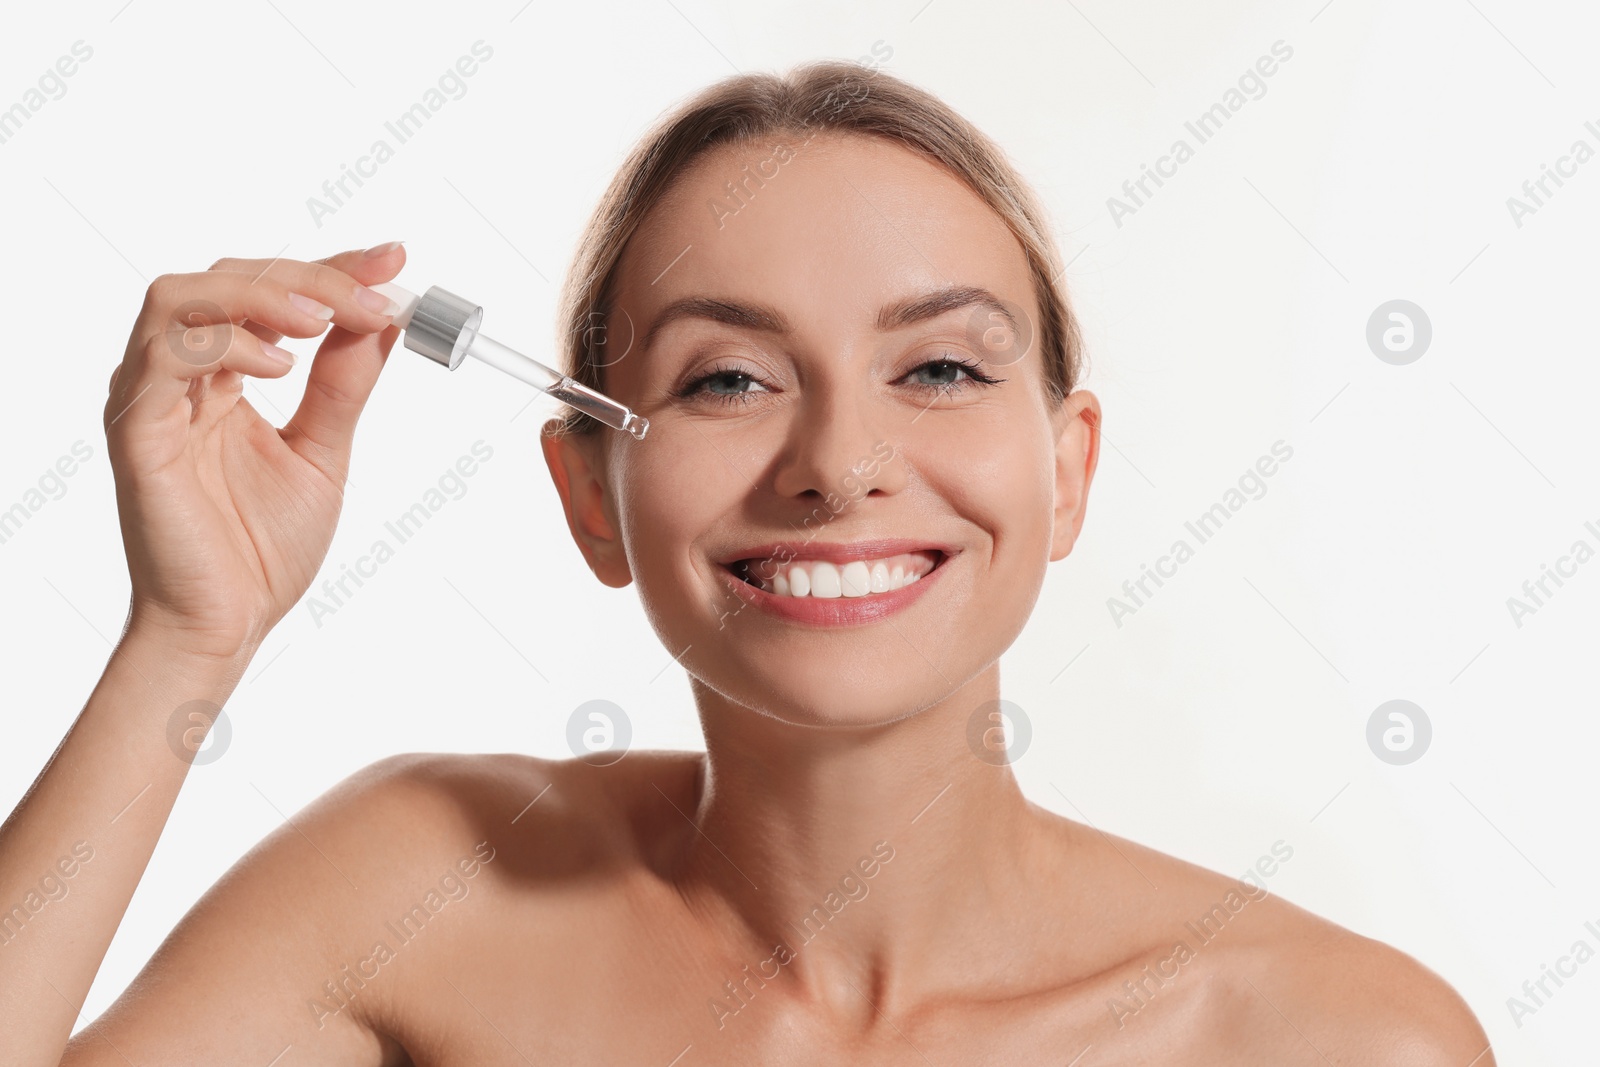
{"x": 574, "y": 462}
{"x": 1077, "y": 453}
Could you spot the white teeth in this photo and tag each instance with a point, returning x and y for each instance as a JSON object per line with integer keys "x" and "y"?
{"x": 857, "y": 578}
{"x": 825, "y": 581}
{"x": 880, "y": 577}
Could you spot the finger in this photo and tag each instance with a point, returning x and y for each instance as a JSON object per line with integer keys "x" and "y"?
{"x": 380, "y": 263}
{"x": 207, "y": 349}
{"x": 342, "y": 375}
{"x": 170, "y": 362}
{"x": 370, "y": 266}
{"x": 295, "y": 299}
{"x": 175, "y": 302}
{"x": 342, "y": 260}
{"x": 267, "y": 334}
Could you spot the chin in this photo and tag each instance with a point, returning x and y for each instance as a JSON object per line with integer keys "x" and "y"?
{"x": 825, "y": 707}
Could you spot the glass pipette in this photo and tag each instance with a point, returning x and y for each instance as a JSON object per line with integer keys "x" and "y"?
{"x": 444, "y": 327}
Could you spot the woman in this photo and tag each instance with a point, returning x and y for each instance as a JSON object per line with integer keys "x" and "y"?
{"x": 836, "y": 303}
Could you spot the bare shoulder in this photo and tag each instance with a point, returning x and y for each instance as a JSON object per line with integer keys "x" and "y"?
{"x": 1374, "y": 1003}
{"x": 1198, "y": 959}
{"x": 478, "y": 786}
{"x": 289, "y": 944}
{"x": 582, "y": 812}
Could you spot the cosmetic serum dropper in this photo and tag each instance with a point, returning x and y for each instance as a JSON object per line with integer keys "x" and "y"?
{"x": 444, "y": 327}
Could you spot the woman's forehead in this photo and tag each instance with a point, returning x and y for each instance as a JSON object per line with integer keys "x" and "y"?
{"x": 850, "y": 225}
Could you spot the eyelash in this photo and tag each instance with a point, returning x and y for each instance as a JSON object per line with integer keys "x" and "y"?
{"x": 974, "y": 372}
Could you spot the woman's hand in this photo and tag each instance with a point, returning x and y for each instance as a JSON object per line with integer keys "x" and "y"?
{"x": 226, "y": 518}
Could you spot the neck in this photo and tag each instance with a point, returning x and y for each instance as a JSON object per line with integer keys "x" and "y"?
{"x": 869, "y": 853}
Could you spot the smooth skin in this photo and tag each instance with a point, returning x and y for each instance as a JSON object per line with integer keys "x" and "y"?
{"x": 596, "y": 914}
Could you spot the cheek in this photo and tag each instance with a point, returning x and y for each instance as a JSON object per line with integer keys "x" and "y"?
{"x": 1001, "y": 480}
{"x": 671, "y": 493}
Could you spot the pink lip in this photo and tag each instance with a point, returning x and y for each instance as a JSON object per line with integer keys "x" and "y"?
{"x": 835, "y": 611}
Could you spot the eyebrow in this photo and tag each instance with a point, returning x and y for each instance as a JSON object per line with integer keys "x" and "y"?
{"x": 763, "y": 318}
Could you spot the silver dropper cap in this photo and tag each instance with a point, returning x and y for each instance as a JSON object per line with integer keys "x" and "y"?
{"x": 443, "y": 326}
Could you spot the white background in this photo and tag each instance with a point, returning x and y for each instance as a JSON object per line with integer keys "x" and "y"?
{"x": 1227, "y": 313}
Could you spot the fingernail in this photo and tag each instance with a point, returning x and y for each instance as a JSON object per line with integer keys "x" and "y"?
{"x": 310, "y": 306}
{"x": 382, "y": 250}
{"x": 375, "y": 301}
{"x": 282, "y": 355}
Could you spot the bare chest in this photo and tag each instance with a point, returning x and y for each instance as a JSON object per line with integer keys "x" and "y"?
{"x": 661, "y": 1001}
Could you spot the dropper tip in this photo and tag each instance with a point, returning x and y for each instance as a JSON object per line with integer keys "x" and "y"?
{"x": 637, "y": 425}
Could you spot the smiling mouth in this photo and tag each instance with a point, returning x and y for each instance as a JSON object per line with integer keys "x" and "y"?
{"x": 826, "y": 580}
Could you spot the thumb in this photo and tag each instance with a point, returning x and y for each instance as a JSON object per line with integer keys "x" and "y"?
{"x": 343, "y": 372}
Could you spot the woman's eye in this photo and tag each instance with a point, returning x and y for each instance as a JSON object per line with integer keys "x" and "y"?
{"x": 949, "y": 372}
{"x": 724, "y": 385}
{"x": 938, "y": 372}
{"x": 730, "y": 382}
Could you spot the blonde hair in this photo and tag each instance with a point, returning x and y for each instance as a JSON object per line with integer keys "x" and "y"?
{"x": 825, "y": 95}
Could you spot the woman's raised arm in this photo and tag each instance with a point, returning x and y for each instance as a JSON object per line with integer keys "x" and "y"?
{"x": 225, "y": 521}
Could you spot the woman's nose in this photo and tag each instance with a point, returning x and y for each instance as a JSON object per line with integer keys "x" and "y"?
{"x": 839, "y": 445}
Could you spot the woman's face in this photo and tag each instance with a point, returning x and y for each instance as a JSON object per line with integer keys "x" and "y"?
{"x": 810, "y": 411}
